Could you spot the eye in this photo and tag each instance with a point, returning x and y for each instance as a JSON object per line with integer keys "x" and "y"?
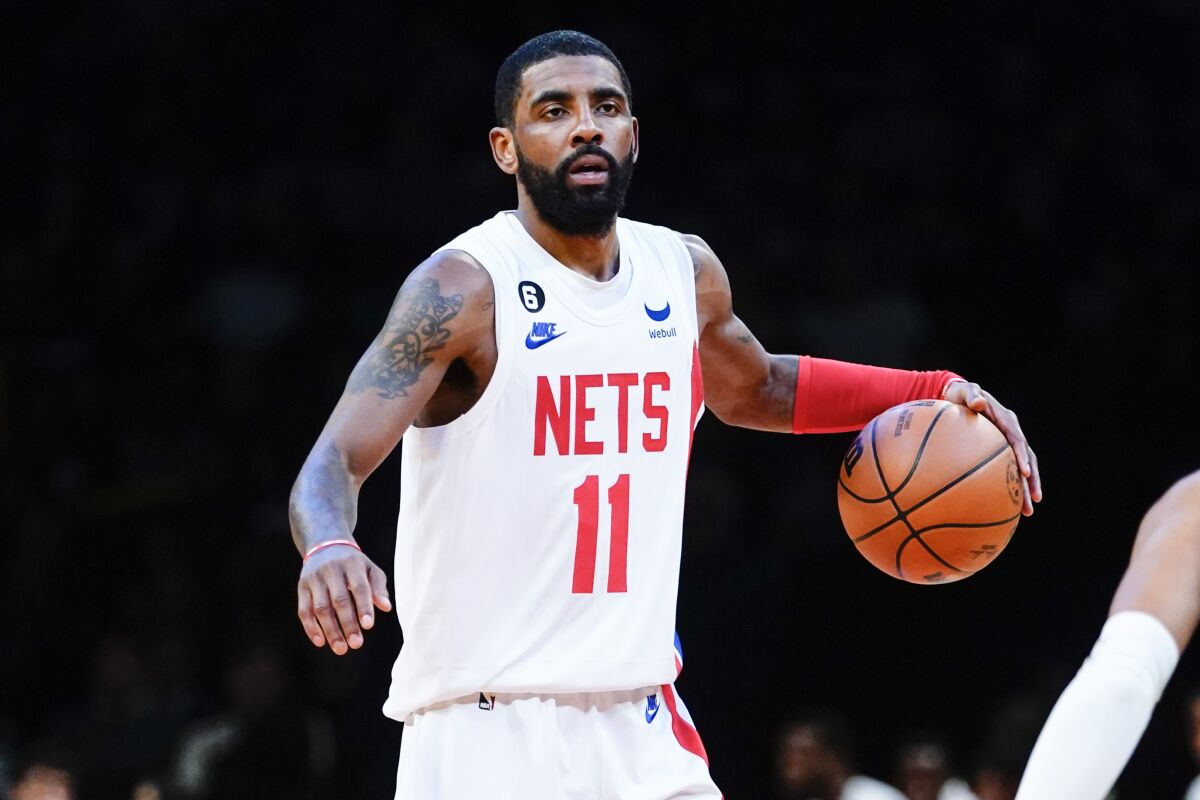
{"x": 554, "y": 112}
{"x": 607, "y": 107}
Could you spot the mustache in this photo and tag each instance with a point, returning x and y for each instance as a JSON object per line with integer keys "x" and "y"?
{"x": 589, "y": 149}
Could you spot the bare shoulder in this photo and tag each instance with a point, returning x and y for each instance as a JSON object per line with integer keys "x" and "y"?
{"x": 443, "y": 311}
{"x": 454, "y": 272}
{"x": 449, "y": 285}
{"x": 713, "y": 296}
{"x": 703, "y": 257}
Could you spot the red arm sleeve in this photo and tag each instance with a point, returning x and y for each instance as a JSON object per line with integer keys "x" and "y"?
{"x": 835, "y": 396}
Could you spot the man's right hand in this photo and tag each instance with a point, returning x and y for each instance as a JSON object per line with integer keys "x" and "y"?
{"x": 339, "y": 589}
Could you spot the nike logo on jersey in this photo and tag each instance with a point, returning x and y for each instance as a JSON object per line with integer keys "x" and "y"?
{"x": 651, "y": 707}
{"x": 660, "y": 314}
{"x": 542, "y": 333}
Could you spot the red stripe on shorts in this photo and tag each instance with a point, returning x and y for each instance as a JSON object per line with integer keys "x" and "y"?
{"x": 687, "y": 736}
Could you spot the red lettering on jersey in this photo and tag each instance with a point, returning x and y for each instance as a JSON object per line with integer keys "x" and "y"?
{"x": 622, "y": 380}
{"x": 568, "y": 421}
{"x": 548, "y": 413}
{"x": 655, "y": 444}
{"x": 587, "y": 499}
{"x": 618, "y": 543}
{"x": 585, "y": 414}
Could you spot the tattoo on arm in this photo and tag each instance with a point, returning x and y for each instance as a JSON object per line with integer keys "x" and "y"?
{"x": 323, "y": 504}
{"x": 784, "y": 371}
{"x": 746, "y": 338}
{"x": 403, "y": 348}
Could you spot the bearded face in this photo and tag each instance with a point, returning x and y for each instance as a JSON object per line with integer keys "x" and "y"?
{"x": 581, "y": 196}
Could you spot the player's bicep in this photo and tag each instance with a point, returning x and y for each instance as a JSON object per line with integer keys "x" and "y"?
{"x": 730, "y": 339}
{"x": 419, "y": 333}
{"x": 442, "y": 311}
{"x": 735, "y": 367}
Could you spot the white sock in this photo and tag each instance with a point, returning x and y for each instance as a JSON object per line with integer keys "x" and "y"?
{"x": 1101, "y": 715}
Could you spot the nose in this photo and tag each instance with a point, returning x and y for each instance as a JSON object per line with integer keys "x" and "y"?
{"x": 586, "y": 132}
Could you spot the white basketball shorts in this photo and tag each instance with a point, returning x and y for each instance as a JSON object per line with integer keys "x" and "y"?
{"x": 630, "y": 745}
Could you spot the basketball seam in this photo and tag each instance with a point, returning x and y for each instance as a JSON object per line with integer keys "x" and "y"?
{"x": 859, "y": 498}
{"x": 915, "y": 534}
{"x": 921, "y": 450}
{"x": 929, "y": 528}
{"x": 901, "y": 514}
{"x": 888, "y": 494}
{"x": 911, "y": 470}
{"x": 961, "y": 478}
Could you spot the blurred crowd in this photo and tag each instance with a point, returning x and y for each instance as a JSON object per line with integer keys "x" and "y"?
{"x": 815, "y": 759}
{"x": 148, "y": 729}
{"x": 153, "y": 741}
{"x": 210, "y": 205}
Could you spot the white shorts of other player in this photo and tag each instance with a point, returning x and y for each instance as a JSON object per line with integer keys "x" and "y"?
{"x": 629, "y": 745}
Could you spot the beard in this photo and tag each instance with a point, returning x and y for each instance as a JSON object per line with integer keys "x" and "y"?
{"x": 577, "y": 210}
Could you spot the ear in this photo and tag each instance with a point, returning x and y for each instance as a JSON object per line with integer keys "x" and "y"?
{"x": 504, "y": 150}
{"x": 633, "y": 149}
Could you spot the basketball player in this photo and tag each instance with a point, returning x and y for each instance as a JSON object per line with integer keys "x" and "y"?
{"x": 545, "y": 371}
{"x": 1100, "y": 716}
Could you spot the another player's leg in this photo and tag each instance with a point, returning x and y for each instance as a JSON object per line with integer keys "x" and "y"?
{"x": 1101, "y": 715}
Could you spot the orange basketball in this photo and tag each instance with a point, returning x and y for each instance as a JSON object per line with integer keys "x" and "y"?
{"x": 930, "y": 492}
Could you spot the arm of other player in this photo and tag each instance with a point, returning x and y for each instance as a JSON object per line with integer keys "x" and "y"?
{"x": 443, "y": 311}
{"x": 744, "y": 385}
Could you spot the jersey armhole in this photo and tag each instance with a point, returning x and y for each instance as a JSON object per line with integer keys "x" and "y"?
{"x": 687, "y": 277}
{"x": 501, "y": 282}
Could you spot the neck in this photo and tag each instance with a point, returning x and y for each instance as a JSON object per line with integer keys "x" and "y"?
{"x": 592, "y": 256}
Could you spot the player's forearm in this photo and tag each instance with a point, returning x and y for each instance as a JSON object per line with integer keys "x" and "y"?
{"x": 324, "y": 499}
{"x": 834, "y": 396}
{"x": 761, "y": 400}
{"x": 802, "y": 394}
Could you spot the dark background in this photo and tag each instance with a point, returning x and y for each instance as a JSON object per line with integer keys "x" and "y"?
{"x": 209, "y": 206}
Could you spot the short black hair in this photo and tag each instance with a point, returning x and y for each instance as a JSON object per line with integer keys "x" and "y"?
{"x": 543, "y": 48}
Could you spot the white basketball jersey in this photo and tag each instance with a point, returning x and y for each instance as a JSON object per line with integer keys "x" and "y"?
{"x": 539, "y": 535}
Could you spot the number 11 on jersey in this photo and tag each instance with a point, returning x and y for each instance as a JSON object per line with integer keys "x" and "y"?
{"x": 587, "y": 502}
